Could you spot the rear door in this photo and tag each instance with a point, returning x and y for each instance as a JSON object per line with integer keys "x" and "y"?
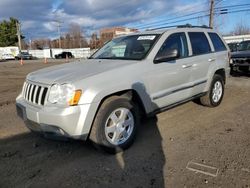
{"x": 220, "y": 50}
{"x": 202, "y": 58}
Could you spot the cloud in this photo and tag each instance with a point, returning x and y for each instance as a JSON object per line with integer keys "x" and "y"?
{"x": 38, "y": 17}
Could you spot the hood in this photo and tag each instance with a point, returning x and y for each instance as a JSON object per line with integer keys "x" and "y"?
{"x": 241, "y": 54}
{"x": 70, "y": 72}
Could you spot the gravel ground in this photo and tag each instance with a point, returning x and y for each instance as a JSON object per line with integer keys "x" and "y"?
{"x": 168, "y": 152}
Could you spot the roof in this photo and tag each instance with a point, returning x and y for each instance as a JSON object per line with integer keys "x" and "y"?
{"x": 187, "y": 27}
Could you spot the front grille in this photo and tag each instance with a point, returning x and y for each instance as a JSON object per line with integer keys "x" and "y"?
{"x": 241, "y": 61}
{"x": 35, "y": 93}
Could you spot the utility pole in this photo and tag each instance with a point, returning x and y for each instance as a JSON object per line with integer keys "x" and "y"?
{"x": 211, "y": 14}
{"x": 59, "y": 31}
{"x": 18, "y": 32}
{"x": 30, "y": 42}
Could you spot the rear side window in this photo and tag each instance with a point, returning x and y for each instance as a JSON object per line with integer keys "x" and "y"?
{"x": 199, "y": 43}
{"x": 217, "y": 42}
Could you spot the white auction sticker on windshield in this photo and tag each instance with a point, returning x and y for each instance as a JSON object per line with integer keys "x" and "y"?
{"x": 147, "y": 37}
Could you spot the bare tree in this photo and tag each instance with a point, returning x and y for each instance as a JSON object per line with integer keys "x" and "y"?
{"x": 77, "y": 40}
{"x": 41, "y": 43}
{"x": 241, "y": 29}
{"x": 74, "y": 38}
{"x": 95, "y": 42}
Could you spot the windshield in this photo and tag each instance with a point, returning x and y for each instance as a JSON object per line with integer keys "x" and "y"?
{"x": 133, "y": 47}
{"x": 243, "y": 46}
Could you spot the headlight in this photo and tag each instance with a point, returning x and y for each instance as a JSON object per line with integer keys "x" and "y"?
{"x": 64, "y": 94}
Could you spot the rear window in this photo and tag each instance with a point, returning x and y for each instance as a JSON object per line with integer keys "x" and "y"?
{"x": 217, "y": 42}
{"x": 199, "y": 43}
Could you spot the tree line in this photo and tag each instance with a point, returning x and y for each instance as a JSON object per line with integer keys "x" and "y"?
{"x": 8, "y": 32}
{"x": 74, "y": 38}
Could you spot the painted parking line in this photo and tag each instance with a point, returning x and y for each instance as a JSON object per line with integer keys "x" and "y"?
{"x": 203, "y": 169}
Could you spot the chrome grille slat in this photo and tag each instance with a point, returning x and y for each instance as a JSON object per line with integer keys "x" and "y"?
{"x": 44, "y": 96}
{"x": 27, "y": 92}
{"x": 30, "y": 91}
{"x": 34, "y": 99}
{"x": 40, "y": 96}
{"x": 26, "y": 88}
{"x": 35, "y": 93}
{"x": 24, "y": 85}
{"x": 38, "y": 93}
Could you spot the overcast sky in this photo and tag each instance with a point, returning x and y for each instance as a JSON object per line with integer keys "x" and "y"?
{"x": 38, "y": 16}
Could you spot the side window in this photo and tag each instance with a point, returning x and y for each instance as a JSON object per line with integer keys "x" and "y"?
{"x": 199, "y": 43}
{"x": 217, "y": 42}
{"x": 175, "y": 41}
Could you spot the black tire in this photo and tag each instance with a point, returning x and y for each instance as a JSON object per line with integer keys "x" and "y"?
{"x": 97, "y": 134}
{"x": 208, "y": 100}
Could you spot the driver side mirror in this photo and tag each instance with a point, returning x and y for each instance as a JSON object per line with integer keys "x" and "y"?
{"x": 169, "y": 55}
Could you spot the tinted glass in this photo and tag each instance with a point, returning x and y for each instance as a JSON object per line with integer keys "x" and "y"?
{"x": 175, "y": 41}
{"x": 233, "y": 46}
{"x": 217, "y": 42}
{"x": 245, "y": 45}
{"x": 134, "y": 47}
{"x": 199, "y": 43}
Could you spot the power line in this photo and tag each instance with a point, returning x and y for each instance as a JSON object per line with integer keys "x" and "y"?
{"x": 188, "y": 19}
{"x": 186, "y": 15}
{"x": 153, "y": 24}
{"x": 182, "y": 16}
{"x": 235, "y": 11}
{"x": 233, "y": 6}
{"x": 171, "y": 14}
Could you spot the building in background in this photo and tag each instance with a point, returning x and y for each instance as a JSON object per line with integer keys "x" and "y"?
{"x": 109, "y": 33}
{"x": 236, "y": 38}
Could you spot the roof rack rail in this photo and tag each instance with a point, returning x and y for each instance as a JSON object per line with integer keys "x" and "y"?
{"x": 164, "y": 27}
{"x": 193, "y": 26}
{"x": 181, "y": 26}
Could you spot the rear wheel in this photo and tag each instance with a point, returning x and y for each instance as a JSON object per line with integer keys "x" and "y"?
{"x": 215, "y": 94}
{"x": 115, "y": 124}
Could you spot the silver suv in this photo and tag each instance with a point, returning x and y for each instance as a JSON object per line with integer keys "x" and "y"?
{"x": 103, "y": 98}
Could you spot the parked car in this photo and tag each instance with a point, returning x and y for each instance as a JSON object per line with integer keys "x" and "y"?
{"x": 64, "y": 55}
{"x": 130, "y": 77}
{"x": 233, "y": 46}
{"x": 8, "y": 57}
{"x": 240, "y": 60}
{"x": 24, "y": 55}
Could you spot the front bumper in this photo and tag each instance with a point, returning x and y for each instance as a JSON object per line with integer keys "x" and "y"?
{"x": 240, "y": 65}
{"x": 69, "y": 122}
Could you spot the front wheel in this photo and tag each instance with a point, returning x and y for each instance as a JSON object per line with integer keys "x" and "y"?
{"x": 215, "y": 94}
{"x": 115, "y": 124}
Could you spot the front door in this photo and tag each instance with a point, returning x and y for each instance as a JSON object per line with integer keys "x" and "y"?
{"x": 169, "y": 81}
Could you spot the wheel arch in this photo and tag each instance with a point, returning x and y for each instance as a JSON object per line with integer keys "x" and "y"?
{"x": 222, "y": 73}
{"x": 131, "y": 94}
{"x": 219, "y": 71}
{"x": 128, "y": 93}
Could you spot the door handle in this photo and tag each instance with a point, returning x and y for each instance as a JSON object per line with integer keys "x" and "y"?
{"x": 186, "y": 66}
{"x": 211, "y": 59}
